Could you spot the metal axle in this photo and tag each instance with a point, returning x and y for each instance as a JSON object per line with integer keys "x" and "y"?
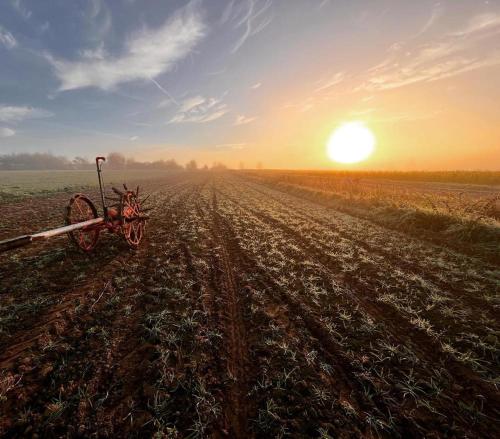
{"x": 22, "y": 241}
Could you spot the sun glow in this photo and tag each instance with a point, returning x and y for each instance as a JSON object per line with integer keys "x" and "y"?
{"x": 352, "y": 142}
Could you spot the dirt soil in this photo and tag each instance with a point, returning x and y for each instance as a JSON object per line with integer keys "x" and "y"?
{"x": 246, "y": 312}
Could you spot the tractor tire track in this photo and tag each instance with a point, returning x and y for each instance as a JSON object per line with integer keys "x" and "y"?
{"x": 283, "y": 312}
{"x": 237, "y": 406}
{"x": 300, "y": 315}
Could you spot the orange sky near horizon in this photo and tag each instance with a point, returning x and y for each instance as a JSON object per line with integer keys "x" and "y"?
{"x": 252, "y": 81}
{"x": 416, "y": 129}
{"x": 447, "y": 124}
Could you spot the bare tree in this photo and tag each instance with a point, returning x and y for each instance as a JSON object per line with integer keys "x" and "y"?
{"x": 116, "y": 160}
{"x": 81, "y": 163}
{"x": 192, "y": 165}
{"x": 133, "y": 164}
{"x": 218, "y": 166}
{"x": 171, "y": 165}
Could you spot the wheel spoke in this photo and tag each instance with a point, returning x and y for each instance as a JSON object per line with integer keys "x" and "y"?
{"x": 81, "y": 209}
{"x": 133, "y": 230}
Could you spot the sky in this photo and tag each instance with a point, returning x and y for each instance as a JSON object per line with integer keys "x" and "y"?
{"x": 248, "y": 81}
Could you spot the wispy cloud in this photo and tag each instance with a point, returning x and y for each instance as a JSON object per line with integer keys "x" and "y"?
{"x": 44, "y": 27}
{"x": 6, "y": 132}
{"x": 323, "y": 3}
{"x": 21, "y": 9}
{"x": 256, "y": 86}
{"x": 480, "y": 24}
{"x": 217, "y": 72}
{"x": 406, "y": 117}
{"x": 330, "y": 82}
{"x": 97, "y": 20}
{"x": 147, "y": 54}
{"x": 198, "y": 109}
{"x": 322, "y": 90}
{"x": 194, "y": 103}
{"x": 164, "y": 91}
{"x": 303, "y": 106}
{"x": 436, "y": 13}
{"x": 447, "y": 56}
{"x": 165, "y": 103}
{"x": 7, "y": 39}
{"x": 243, "y": 120}
{"x": 17, "y": 114}
{"x": 227, "y": 13}
{"x": 253, "y": 18}
{"x": 98, "y": 52}
{"x": 133, "y": 138}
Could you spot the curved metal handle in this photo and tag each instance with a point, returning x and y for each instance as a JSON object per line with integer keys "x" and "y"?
{"x": 104, "y": 207}
{"x": 97, "y": 162}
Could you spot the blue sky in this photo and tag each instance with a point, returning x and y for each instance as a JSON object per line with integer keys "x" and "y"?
{"x": 245, "y": 79}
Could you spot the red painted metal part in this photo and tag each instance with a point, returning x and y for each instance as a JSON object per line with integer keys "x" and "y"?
{"x": 83, "y": 224}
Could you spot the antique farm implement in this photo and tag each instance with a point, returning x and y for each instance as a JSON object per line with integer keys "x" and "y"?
{"x": 83, "y": 224}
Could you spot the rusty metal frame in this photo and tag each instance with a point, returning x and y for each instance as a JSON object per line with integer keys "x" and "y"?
{"x": 118, "y": 224}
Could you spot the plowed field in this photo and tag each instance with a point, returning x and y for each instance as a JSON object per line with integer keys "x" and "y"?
{"x": 246, "y": 312}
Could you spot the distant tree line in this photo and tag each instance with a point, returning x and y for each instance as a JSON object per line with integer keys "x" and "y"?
{"x": 114, "y": 160}
{"x": 33, "y": 161}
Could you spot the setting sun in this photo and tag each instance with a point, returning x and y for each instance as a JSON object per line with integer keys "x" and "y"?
{"x": 352, "y": 142}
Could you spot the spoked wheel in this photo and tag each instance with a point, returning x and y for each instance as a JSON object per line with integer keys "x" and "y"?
{"x": 133, "y": 224}
{"x": 81, "y": 209}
